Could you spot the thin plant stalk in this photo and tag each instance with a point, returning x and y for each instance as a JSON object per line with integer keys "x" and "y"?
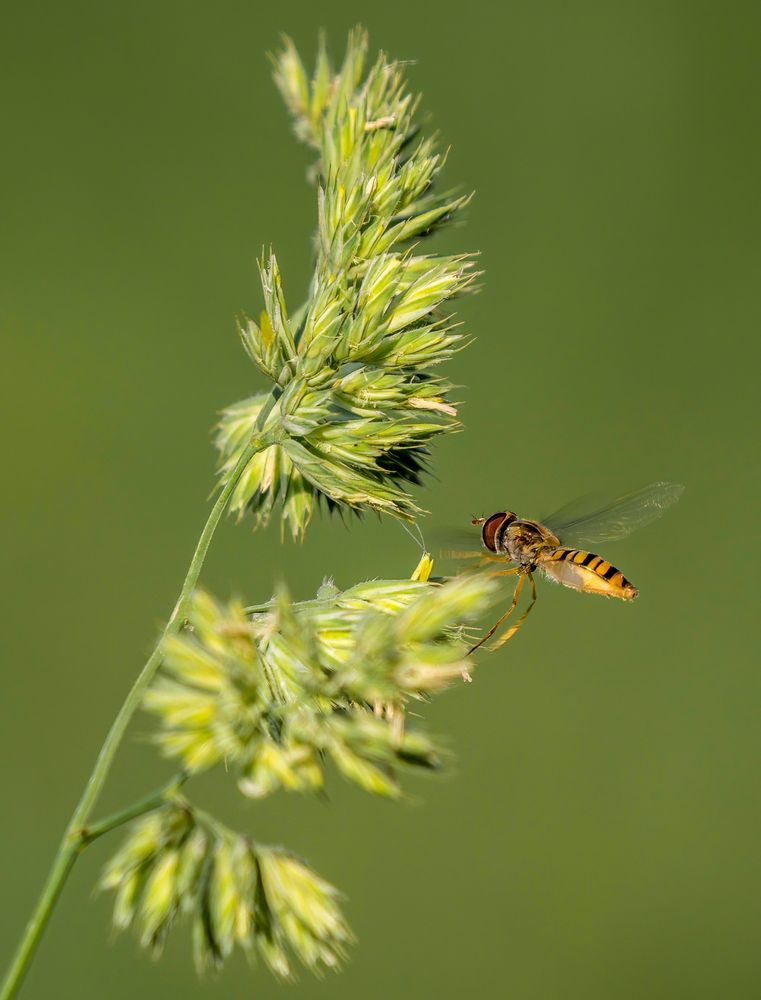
{"x": 77, "y": 836}
{"x": 167, "y": 792}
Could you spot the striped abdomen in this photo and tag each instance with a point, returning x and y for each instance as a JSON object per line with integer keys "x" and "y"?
{"x": 587, "y": 572}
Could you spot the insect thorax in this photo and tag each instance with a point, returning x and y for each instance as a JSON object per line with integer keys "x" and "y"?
{"x": 523, "y": 541}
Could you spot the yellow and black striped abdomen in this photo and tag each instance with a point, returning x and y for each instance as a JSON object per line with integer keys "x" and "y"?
{"x": 587, "y": 572}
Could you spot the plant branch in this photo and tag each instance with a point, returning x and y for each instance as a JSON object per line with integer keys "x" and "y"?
{"x": 75, "y": 838}
{"x": 155, "y": 800}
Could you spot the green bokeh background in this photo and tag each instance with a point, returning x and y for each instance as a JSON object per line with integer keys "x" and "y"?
{"x": 598, "y": 836}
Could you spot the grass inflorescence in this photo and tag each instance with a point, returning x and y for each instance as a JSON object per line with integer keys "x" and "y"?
{"x": 178, "y": 862}
{"x": 355, "y": 369}
{"x": 283, "y": 694}
{"x": 277, "y": 696}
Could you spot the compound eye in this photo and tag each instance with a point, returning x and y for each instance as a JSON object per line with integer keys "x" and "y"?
{"x": 490, "y": 528}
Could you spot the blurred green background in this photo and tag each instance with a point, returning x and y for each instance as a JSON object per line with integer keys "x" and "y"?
{"x": 598, "y": 836}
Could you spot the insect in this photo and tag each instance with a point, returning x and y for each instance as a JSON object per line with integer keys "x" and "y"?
{"x": 546, "y": 546}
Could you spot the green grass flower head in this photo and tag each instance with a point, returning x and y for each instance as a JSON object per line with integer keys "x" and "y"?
{"x": 278, "y": 694}
{"x": 179, "y": 862}
{"x": 356, "y": 395}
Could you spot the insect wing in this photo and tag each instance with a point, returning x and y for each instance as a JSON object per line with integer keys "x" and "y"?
{"x": 457, "y": 543}
{"x": 463, "y": 546}
{"x": 590, "y": 519}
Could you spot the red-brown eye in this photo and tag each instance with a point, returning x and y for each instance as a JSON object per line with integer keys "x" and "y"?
{"x": 490, "y": 528}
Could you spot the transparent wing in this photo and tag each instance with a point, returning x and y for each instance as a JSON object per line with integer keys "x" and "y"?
{"x": 463, "y": 546}
{"x": 590, "y": 519}
{"x": 456, "y": 542}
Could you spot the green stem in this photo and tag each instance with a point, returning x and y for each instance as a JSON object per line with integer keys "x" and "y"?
{"x": 76, "y": 836}
{"x": 153, "y": 801}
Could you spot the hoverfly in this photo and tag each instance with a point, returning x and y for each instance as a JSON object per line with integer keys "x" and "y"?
{"x": 546, "y": 546}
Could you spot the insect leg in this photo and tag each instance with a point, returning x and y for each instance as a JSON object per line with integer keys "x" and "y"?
{"x": 514, "y": 628}
{"x": 493, "y": 629}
